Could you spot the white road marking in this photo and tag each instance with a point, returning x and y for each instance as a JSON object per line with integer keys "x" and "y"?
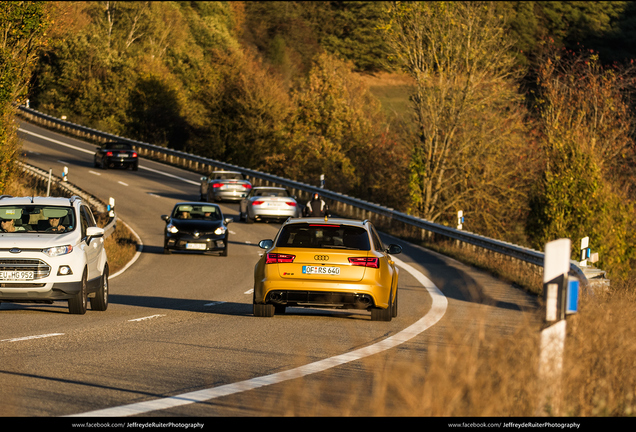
{"x": 249, "y": 291}
{"x": 32, "y": 337}
{"x": 170, "y": 175}
{"x": 92, "y": 153}
{"x": 122, "y": 183}
{"x": 147, "y": 318}
{"x": 56, "y": 141}
{"x": 94, "y": 172}
{"x": 437, "y": 311}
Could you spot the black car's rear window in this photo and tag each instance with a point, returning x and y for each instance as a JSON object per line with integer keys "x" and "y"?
{"x": 325, "y": 235}
{"x": 118, "y": 146}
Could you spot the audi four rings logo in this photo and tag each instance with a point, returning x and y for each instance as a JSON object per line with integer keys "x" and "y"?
{"x": 321, "y": 257}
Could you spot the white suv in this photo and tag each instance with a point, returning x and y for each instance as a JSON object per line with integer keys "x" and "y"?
{"x": 51, "y": 249}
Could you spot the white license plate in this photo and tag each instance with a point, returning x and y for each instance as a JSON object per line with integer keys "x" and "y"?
{"x": 16, "y": 275}
{"x": 196, "y": 246}
{"x": 321, "y": 270}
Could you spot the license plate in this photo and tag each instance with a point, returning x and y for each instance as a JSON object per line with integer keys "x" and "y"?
{"x": 16, "y": 275}
{"x": 123, "y": 155}
{"x": 196, "y": 246}
{"x": 321, "y": 270}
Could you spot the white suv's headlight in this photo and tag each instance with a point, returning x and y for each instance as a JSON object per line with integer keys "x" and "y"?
{"x": 172, "y": 229}
{"x": 58, "y": 250}
{"x": 219, "y": 231}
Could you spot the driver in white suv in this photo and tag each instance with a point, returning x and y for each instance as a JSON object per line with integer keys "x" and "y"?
{"x": 51, "y": 249}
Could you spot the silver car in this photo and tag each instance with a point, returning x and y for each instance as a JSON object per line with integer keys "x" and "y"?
{"x": 224, "y": 186}
{"x": 267, "y": 202}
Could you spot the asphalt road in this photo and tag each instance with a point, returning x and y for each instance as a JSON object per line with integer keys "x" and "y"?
{"x": 179, "y": 338}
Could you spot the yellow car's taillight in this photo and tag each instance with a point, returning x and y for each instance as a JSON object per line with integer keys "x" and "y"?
{"x": 365, "y": 261}
{"x": 276, "y": 258}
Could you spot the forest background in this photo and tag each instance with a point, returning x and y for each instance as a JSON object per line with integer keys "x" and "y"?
{"x": 518, "y": 113}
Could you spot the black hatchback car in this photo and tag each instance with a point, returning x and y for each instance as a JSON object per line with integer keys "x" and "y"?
{"x": 196, "y": 227}
{"x": 116, "y": 154}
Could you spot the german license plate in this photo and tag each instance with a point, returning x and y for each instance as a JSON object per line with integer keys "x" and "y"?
{"x": 16, "y": 275}
{"x": 196, "y": 246}
{"x": 321, "y": 270}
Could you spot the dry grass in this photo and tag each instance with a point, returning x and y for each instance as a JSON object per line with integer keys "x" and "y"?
{"x": 120, "y": 246}
{"x": 468, "y": 374}
{"x": 600, "y": 378}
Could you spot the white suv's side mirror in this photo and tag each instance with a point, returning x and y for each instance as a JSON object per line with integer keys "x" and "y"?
{"x": 93, "y": 232}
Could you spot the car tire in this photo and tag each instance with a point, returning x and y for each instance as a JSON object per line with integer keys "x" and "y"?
{"x": 100, "y": 301}
{"x": 166, "y": 251}
{"x": 248, "y": 219}
{"x": 379, "y": 314}
{"x": 224, "y": 251}
{"x": 264, "y": 310}
{"x": 394, "y": 309}
{"x": 135, "y": 167}
{"x": 78, "y": 304}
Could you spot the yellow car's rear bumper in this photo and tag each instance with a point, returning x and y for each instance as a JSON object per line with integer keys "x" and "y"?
{"x": 357, "y": 294}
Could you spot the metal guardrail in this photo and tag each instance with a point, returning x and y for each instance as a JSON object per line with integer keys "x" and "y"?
{"x": 71, "y": 189}
{"x": 344, "y": 204}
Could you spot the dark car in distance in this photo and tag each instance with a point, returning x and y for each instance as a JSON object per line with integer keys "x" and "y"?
{"x": 116, "y": 154}
{"x": 196, "y": 227}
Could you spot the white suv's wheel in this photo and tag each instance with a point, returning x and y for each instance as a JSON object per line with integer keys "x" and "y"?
{"x": 79, "y": 303}
{"x": 100, "y": 301}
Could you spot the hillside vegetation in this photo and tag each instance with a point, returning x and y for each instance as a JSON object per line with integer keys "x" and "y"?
{"x": 517, "y": 113}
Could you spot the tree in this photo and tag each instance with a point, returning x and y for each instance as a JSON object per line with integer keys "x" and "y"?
{"x": 247, "y": 109}
{"x": 467, "y": 107}
{"x": 339, "y": 130}
{"x": 22, "y": 32}
{"x": 588, "y": 185}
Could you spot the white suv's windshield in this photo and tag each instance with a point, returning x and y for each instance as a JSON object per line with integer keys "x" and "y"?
{"x": 36, "y": 218}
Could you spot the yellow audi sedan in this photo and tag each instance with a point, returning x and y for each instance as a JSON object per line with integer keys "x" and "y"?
{"x": 330, "y": 263}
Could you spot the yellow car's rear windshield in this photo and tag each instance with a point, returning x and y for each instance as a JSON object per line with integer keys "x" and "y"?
{"x": 330, "y": 236}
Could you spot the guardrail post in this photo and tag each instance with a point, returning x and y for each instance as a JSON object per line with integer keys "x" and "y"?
{"x": 48, "y": 186}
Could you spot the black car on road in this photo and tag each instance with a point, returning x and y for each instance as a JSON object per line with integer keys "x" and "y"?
{"x": 116, "y": 154}
{"x": 196, "y": 227}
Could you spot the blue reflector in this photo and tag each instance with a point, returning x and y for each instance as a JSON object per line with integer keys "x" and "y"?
{"x": 572, "y": 305}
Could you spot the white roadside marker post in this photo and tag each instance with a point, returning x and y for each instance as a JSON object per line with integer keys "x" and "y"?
{"x": 561, "y": 299}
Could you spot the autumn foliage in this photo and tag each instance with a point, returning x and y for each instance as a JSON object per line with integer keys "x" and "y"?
{"x": 531, "y": 143}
